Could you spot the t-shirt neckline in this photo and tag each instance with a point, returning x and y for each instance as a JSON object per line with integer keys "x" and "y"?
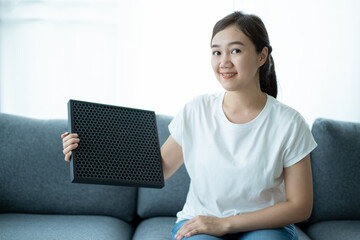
{"x": 240, "y": 126}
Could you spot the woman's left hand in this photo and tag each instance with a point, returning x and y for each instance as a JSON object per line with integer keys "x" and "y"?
{"x": 202, "y": 225}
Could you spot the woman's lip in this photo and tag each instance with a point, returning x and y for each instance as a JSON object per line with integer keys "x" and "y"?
{"x": 228, "y": 75}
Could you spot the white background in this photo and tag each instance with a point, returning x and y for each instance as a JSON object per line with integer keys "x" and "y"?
{"x": 155, "y": 54}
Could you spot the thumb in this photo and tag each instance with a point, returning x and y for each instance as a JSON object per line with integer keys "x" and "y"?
{"x": 64, "y": 134}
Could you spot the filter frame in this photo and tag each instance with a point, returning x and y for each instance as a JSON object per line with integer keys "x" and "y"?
{"x": 118, "y": 145}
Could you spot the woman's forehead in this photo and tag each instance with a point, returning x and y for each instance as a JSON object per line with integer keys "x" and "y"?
{"x": 229, "y": 35}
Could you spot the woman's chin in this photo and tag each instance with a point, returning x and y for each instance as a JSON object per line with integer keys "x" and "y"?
{"x": 229, "y": 87}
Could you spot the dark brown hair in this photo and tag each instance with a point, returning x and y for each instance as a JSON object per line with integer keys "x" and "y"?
{"x": 255, "y": 30}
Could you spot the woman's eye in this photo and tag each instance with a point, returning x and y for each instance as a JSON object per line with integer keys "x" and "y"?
{"x": 235, "y": 51}
{"x": 216, "y": 53}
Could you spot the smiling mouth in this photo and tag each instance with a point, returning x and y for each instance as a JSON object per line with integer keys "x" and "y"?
{"x": 228, "y": 75}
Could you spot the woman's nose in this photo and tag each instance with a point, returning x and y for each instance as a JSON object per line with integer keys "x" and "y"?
{"x": 225, "y": 61}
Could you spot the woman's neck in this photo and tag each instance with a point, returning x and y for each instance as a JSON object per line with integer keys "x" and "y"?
{"x": 242, "y": 107}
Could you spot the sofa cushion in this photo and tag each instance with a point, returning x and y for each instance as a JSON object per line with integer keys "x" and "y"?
{"x": 166, "y": 201}
{"x": 336, "y": 166}
{"x": 301, "y": 234}
{"x": 158, "y": 228}
{"x": 45, "y": 227}
{"x": 334, "y": 230}
{"x": 162, "y": 122}
{"x": 34, "y": 178}
{"x": 170, "y": 199}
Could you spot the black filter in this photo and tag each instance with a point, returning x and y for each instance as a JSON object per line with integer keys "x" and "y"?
{"x": 118, "y": 145}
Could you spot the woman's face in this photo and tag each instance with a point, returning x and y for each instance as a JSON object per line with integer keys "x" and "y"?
{"x": 234, "y": 60}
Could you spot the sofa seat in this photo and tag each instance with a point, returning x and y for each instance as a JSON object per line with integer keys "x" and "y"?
{"x": 38, "y": 182}
{"x": 302, "y": 235}
{"x": 159, "y": 228}
{"x": 44, "y": 227}
{"x": 156, "y": 228}
{"x": 334, "y": 230}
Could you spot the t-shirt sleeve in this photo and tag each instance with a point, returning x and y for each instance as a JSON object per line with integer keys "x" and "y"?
{"x": 176, "y": 127}
{"x": 300, "y": 142}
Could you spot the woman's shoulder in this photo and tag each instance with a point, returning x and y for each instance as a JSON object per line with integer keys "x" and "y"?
{"x": 286, "y": 121}
{"x": 285, "y": 113}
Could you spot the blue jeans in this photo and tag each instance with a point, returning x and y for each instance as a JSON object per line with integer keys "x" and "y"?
{"x": 285, "y": 233}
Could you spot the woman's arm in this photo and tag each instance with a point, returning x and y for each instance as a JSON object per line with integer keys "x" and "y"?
{"x": 296, "y": 208}
{"x": 171, "y": 157}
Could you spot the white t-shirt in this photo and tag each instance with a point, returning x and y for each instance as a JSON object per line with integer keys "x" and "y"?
{"x": 237, "y": 168}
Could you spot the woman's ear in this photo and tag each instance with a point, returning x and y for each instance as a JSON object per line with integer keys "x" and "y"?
{"x": 263, "y": 56}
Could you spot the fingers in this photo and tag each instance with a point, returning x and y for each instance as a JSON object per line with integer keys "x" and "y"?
{"x": 185, "y": 231}
{"x": 64, "y": 134}
{"x": 70, "y": 148}
{"x": 70, "y": 142}
{"x": 201, "y": 225}
{"x": 68, "y": 156}
{"x": 68, "y": 136}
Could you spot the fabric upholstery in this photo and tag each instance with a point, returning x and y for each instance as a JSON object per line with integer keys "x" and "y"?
{"x": 38, "y": 201}
{"x": 301, "y": 234}
{"x": 334, "y": 230}
{"x": 166, "y": 201}
{"x": 34, "y": 178}
{"x": 58, "y": 227}
{"x": 158, "y": 228}
{"x": 170, "y": 199}
{"x": 336, "y": 168}
{"x": 162, "y": 122}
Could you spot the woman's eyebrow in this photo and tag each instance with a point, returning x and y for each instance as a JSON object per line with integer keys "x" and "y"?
{"x": 229, "y": 44}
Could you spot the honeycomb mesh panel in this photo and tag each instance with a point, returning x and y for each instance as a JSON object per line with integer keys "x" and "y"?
{"x": 118, "y": 145}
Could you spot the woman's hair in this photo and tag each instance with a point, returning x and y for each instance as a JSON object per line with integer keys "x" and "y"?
{"x": 255, "y": 30}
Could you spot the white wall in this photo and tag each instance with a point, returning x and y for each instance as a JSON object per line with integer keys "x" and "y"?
{"x": 146, "y": 54}
{"x": 155, "y": 54}
{"x": 165, "y": 52}
{"x": 316, "y": 52}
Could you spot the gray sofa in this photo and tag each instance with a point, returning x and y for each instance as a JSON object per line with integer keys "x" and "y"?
{"x": 37, "y": 200}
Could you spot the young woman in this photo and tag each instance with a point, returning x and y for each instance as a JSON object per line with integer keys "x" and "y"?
{"x": 246, "y": 153}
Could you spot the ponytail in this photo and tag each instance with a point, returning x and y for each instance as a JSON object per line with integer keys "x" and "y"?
{"x": 268, "y": 82}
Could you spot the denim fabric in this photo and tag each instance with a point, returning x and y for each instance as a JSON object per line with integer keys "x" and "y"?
{"x": 285, "y": 233}
{"x": 157, "y": 228}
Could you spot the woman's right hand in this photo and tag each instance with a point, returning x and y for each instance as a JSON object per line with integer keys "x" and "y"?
{"x": 70, "y": 142}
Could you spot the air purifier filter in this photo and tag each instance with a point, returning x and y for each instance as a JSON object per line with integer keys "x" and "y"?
{"x": 118, "y": 145}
